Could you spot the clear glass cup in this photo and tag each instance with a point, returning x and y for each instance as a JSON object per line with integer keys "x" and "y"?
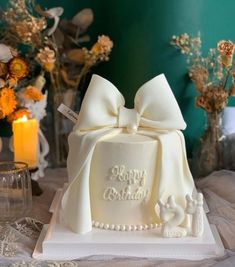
{"x": 15, "y": 191}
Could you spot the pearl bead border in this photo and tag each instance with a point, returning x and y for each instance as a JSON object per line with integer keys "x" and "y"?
{"x": 122, "y": 227}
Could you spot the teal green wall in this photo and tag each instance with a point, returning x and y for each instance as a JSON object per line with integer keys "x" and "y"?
{"x": 141, "y": 31}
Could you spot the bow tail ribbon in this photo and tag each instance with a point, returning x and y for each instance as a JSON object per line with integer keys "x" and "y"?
{"x": 173, "y": 176}
{"x": 75, "y": 205}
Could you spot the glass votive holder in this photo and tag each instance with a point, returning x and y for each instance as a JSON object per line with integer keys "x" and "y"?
{"x": 15, "y": 191}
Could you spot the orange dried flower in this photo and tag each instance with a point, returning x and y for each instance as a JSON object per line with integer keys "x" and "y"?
{"x": 18, "y": 68}
{"x": 225, "y": 48}
{"x": 96, "y": 49}
{"x": 18, "y": 114}
{"x": 103, "y": 45}
{"x": 46, "y": 57}
{"x": 200, "y": 101}
{"x": 7, "y": 101}
{"x": 33, "y": 93}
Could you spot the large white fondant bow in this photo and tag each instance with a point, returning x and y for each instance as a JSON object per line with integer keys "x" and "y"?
{"x": 155, "y": 106}
{"x": 103, "y": 115}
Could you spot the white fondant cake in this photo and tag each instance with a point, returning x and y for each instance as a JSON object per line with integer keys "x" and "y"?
{"x": 123, "y": 161}
{"x": 128, "y": 171}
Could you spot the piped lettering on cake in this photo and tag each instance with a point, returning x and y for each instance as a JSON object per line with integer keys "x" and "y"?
{"x": 134, "y": 190}
{"x": 132, "y": 176}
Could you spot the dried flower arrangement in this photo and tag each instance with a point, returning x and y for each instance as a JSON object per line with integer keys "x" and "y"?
{"x": 14, "y": 102}
{"x": 214, "y": 79}
{"x": 210, "y": 74}
{"x": 57, "y": 50}
{"x": 57, "y": 56}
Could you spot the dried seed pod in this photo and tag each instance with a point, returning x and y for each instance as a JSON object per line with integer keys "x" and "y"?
{"x": 76, "y": 55}
{"x": 83, "y": 19}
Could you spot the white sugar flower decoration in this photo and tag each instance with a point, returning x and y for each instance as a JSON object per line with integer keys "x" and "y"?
{"x": 54, "y": 13}
{"x": 5, "y": 53}
{"x": 37, "y": 109}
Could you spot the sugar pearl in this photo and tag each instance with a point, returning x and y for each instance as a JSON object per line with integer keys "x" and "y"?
{"x": 117, "y": 227}
{"x": 112, "y": 227}
{"x": 123, "y": 228}
{"x": 134, "y": 227}
{"x": 132, "y": 128}
{"x": 106, "y": 226}
{"x": 146, "y": 227}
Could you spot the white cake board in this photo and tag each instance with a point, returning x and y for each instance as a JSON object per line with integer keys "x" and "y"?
{"x": 57, "y": 242}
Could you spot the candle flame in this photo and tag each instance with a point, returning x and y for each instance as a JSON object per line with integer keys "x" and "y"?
{"x": 22, "y": 119}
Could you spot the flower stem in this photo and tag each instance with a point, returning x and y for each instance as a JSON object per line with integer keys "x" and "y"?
{"x": 226, "y": 79}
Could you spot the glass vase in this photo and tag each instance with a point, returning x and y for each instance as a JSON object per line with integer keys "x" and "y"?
{"x": 59, "y": 127}
{"x": 207, "y": 156}
{"x": 15, "y": 191}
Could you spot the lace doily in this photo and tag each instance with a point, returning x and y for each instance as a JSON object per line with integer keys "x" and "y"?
{"x": 14, "y": 236}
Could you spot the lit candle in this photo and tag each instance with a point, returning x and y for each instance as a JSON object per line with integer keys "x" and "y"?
{"x": 25, "y": 141}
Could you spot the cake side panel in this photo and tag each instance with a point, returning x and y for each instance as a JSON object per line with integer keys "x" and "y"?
{"x": 121, "y": 181}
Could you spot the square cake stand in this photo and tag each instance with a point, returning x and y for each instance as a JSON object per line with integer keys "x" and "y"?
{"x": 56, "y": 242}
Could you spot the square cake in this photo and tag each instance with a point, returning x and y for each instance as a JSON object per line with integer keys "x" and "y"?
{"x": 130, "y": 190}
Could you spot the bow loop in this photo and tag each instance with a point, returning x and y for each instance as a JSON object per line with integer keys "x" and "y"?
{"x": 100, "y": 106}
{"x": 157, "y": 105}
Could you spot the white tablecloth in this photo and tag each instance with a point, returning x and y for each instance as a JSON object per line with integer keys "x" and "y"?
{"x": 17, "y": 241}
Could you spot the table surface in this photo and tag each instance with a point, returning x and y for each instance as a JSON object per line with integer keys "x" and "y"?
{"x": 17, "y": 242}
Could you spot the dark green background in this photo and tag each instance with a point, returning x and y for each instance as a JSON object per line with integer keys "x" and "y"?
{"x": 141, "y": 31}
